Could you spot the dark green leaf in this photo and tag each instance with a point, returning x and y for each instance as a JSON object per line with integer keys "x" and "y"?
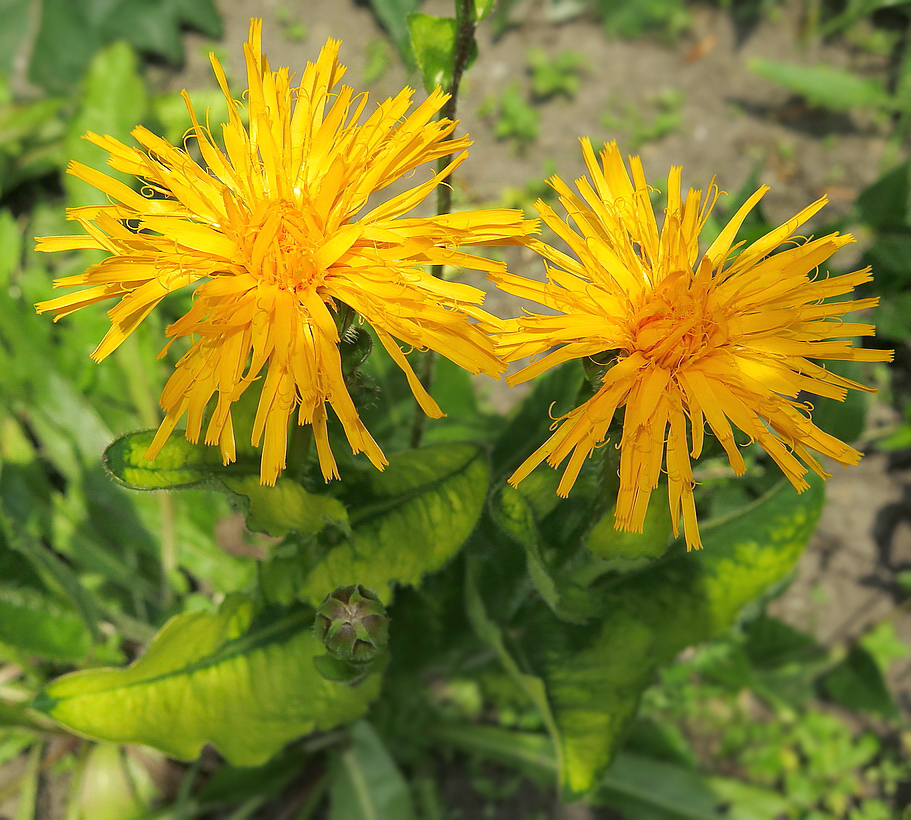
{"x": 884, "y": 204}
{"x": 553, "y": 395}
{"x": 893, "y": 316}
{"x": 646, "y": 789}
{"x": 48, "y": 563}
{"x": 771, "y": 642}
{"x": 518, "y": 512}
{"x": 366, "y": 784}
{"x": 843, "y": 419}
{"x": 15, "y": 16}
{"x": 71, "y": 31}
{"x": 393, "y": 14}
{"x": 114, "y": 101}
{"x": 857, "y": 683}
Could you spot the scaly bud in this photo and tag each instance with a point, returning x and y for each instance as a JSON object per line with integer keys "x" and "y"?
{"x": 353, "y": 625}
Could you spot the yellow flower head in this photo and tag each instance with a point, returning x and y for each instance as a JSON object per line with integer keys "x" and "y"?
{"x": 724, "y": 338}
{"x": 277, "y": 231}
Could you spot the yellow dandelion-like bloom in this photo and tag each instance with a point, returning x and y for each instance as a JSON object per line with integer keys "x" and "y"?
{"x": 277, "y": 233}
{"x": 725, "y": 338}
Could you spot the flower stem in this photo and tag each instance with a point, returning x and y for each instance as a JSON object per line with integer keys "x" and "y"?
{"x": 466, "y": 22}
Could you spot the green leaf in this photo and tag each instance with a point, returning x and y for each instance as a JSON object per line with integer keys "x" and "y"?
{"x": 366, "y": 784}
{"x": 605, "y": 541}
{"x": 406, "y": 521}
{"x": 49, "y": 564}
{"x": 825, "y": 86}
{"x": 37, "y": 623}
{"x": 71, "y": 31}
{"x": 884, "y": 205}
{"x": 10, "y": 246}
{"x": 518, "y": 513}
{"x": 553, "y": 394}
{"x": 646, "y": 789}
{"x": 180, "y": 463}
{"x": 287, "y": 507}
{"x": 393, "y": 14}
{"x": 857, "y": 683}
{"x": 15, "y": 16}
{"x": 771, "y": 643}
{"x": 892, "y": 316}
{"x": 593, "y": 675}
{"x": 242, "y": 682}
{"x": 114, "y": 100}
{"x": 846, "y": 419}
{"x": 748, "y": 802}
{"x": 884, "y": 645}
{"x": 433, "y": 40}
{"x": 643, "y": 787}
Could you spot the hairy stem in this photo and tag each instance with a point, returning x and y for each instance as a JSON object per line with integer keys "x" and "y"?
{"x": 466, "y": 22}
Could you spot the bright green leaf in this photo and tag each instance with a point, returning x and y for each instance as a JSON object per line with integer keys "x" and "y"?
{"x": 406, "y": 521}
{"x": 825, "y": 86}
{"x": 287, "y": 507}
{"x": 366, "y": 784}
{"x": 243, "y": 683}
{"x": 593, "y": 675}
{"x": 433, "y": 41}
{"x": 180, "y": 463}
{"x": 605, "y": 541}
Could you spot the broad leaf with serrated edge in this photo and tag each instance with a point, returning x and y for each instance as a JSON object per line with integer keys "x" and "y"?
{"x": 594, "y": 675}
{"x": 245, "y": 683}
{"x": 408, "y": 520}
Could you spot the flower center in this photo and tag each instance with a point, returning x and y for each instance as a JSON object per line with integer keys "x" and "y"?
{"x": 280, "y": 242}
{"x": 674, "y": 325}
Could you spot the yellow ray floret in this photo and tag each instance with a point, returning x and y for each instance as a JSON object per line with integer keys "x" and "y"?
{"x": 274, "y": 232}
{"x": 724, "y": 340}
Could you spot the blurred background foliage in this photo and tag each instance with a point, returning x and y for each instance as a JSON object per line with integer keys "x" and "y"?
{"x": 764, "y": 723}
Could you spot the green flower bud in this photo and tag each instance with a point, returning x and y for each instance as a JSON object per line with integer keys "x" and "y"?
{"x": 353, "y": 625}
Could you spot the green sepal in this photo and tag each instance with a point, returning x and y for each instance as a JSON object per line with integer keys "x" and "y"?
{"x": 241, "y": 680}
